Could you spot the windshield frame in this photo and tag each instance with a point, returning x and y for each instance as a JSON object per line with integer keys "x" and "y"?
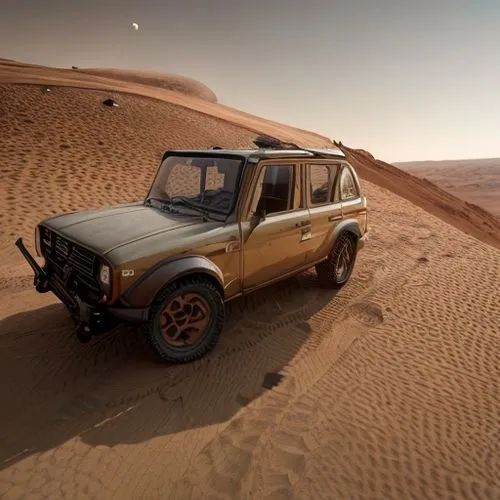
{"x": 208, "y": 155}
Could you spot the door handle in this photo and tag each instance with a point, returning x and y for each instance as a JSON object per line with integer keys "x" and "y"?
{"x": 333, "y": 218}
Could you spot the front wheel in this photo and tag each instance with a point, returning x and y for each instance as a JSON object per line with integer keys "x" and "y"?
{"x": 335, "y": 271}
{"x": 186, "y": 320}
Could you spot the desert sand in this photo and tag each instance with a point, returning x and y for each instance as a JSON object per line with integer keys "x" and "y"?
{"x": 389, "y": 389}
{"x": 476, "y": 181}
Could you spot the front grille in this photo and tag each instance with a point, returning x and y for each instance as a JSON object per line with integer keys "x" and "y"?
{"x": 67, "y": 257}
{"x": 61, "y": 249}
{"x": 83, "y": 262}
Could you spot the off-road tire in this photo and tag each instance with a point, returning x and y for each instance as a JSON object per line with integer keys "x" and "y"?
{"x": 211, "y": 295}
{"x": 327, "y": 269}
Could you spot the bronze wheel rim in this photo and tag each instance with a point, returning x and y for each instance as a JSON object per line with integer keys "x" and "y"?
{"x": 185, "y": 319}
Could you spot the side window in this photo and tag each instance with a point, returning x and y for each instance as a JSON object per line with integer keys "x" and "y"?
{"x": 274, "y": 189}
{"x": 321, "y": 179}
{"x": 347, "y": 185}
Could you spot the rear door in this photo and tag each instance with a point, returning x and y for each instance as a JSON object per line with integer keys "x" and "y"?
{"x": 325, "y": 208}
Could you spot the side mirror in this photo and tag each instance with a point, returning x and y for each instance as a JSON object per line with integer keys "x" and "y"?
{"x": 258, "y": 216}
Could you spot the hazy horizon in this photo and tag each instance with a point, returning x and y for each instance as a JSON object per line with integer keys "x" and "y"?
{"x": 446, "y": 160}
{"x": 405, "y": 81}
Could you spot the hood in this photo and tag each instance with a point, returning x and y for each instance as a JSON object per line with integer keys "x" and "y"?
{"x": 108, "y": 229}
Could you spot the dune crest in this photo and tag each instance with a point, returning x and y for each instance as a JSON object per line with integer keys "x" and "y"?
{"x": 176, "y": 83}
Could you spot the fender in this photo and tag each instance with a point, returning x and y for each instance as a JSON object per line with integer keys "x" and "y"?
{"x": 144, "y": 290}
{"x": 347, "y": 225}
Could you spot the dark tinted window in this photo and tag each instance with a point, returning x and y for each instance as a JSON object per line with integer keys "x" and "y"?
{"x": 274, "y": 188}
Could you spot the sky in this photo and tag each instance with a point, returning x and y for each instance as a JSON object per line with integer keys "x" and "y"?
{"x": 405, "y": 80}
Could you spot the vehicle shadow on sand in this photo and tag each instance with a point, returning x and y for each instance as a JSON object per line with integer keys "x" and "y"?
{"x": 114, "y": 390}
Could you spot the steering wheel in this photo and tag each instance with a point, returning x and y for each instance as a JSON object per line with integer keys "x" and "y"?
{"x": 222, "y": 199}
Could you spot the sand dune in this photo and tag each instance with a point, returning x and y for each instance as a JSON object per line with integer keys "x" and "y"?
{"x": 16, "y": 72}
{"x": 475, "y": 181}
{"x": 177, "y": 83}
{"x": 388, "y": 389}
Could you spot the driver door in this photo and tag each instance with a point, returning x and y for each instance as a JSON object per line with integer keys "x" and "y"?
{"x": 277, "y": 245}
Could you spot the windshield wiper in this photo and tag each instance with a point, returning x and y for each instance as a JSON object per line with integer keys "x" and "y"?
{"x": 182, "y": 200}
{"x": 164, "y": 205}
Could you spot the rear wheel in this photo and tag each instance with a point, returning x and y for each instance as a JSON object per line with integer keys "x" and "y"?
{"x": 335, "y": 271}
{"x": 186, "y": 320}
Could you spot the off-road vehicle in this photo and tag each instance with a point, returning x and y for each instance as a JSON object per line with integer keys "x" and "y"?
{"x": 216, "y": 224}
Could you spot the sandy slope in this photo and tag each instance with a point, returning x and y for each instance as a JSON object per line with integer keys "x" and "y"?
{"x": 476, "y": 181}
{"x": 467, "y": 217}
{"x": 390, "y": 389}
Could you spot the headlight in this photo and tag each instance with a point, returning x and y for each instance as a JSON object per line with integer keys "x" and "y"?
{"x": 38, "y": 247}
{"x": 105, "y": 274}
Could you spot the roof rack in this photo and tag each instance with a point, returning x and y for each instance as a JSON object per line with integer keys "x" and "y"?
{"x": 268, "y": 142}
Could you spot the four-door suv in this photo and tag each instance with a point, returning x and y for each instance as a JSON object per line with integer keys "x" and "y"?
{"x": 215, "y": 224}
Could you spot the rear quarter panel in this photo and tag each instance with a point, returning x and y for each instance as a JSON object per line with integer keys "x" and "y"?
{"x": 356, "y": 210}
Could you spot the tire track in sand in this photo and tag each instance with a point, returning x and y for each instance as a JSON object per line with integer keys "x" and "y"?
{"x": 248, "y": 436}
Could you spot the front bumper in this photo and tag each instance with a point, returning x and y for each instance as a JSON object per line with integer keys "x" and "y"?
{"x": 89, "y": 319}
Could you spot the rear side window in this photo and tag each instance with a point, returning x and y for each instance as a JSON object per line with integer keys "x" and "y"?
{"x": 348, "y": 187}
{"x": 321, "y": 178}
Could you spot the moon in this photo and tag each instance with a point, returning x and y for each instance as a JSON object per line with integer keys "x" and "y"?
{"x": 135, "y": 26}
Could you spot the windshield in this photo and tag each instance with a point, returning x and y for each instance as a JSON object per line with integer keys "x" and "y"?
{"x": 207, "y": 183}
